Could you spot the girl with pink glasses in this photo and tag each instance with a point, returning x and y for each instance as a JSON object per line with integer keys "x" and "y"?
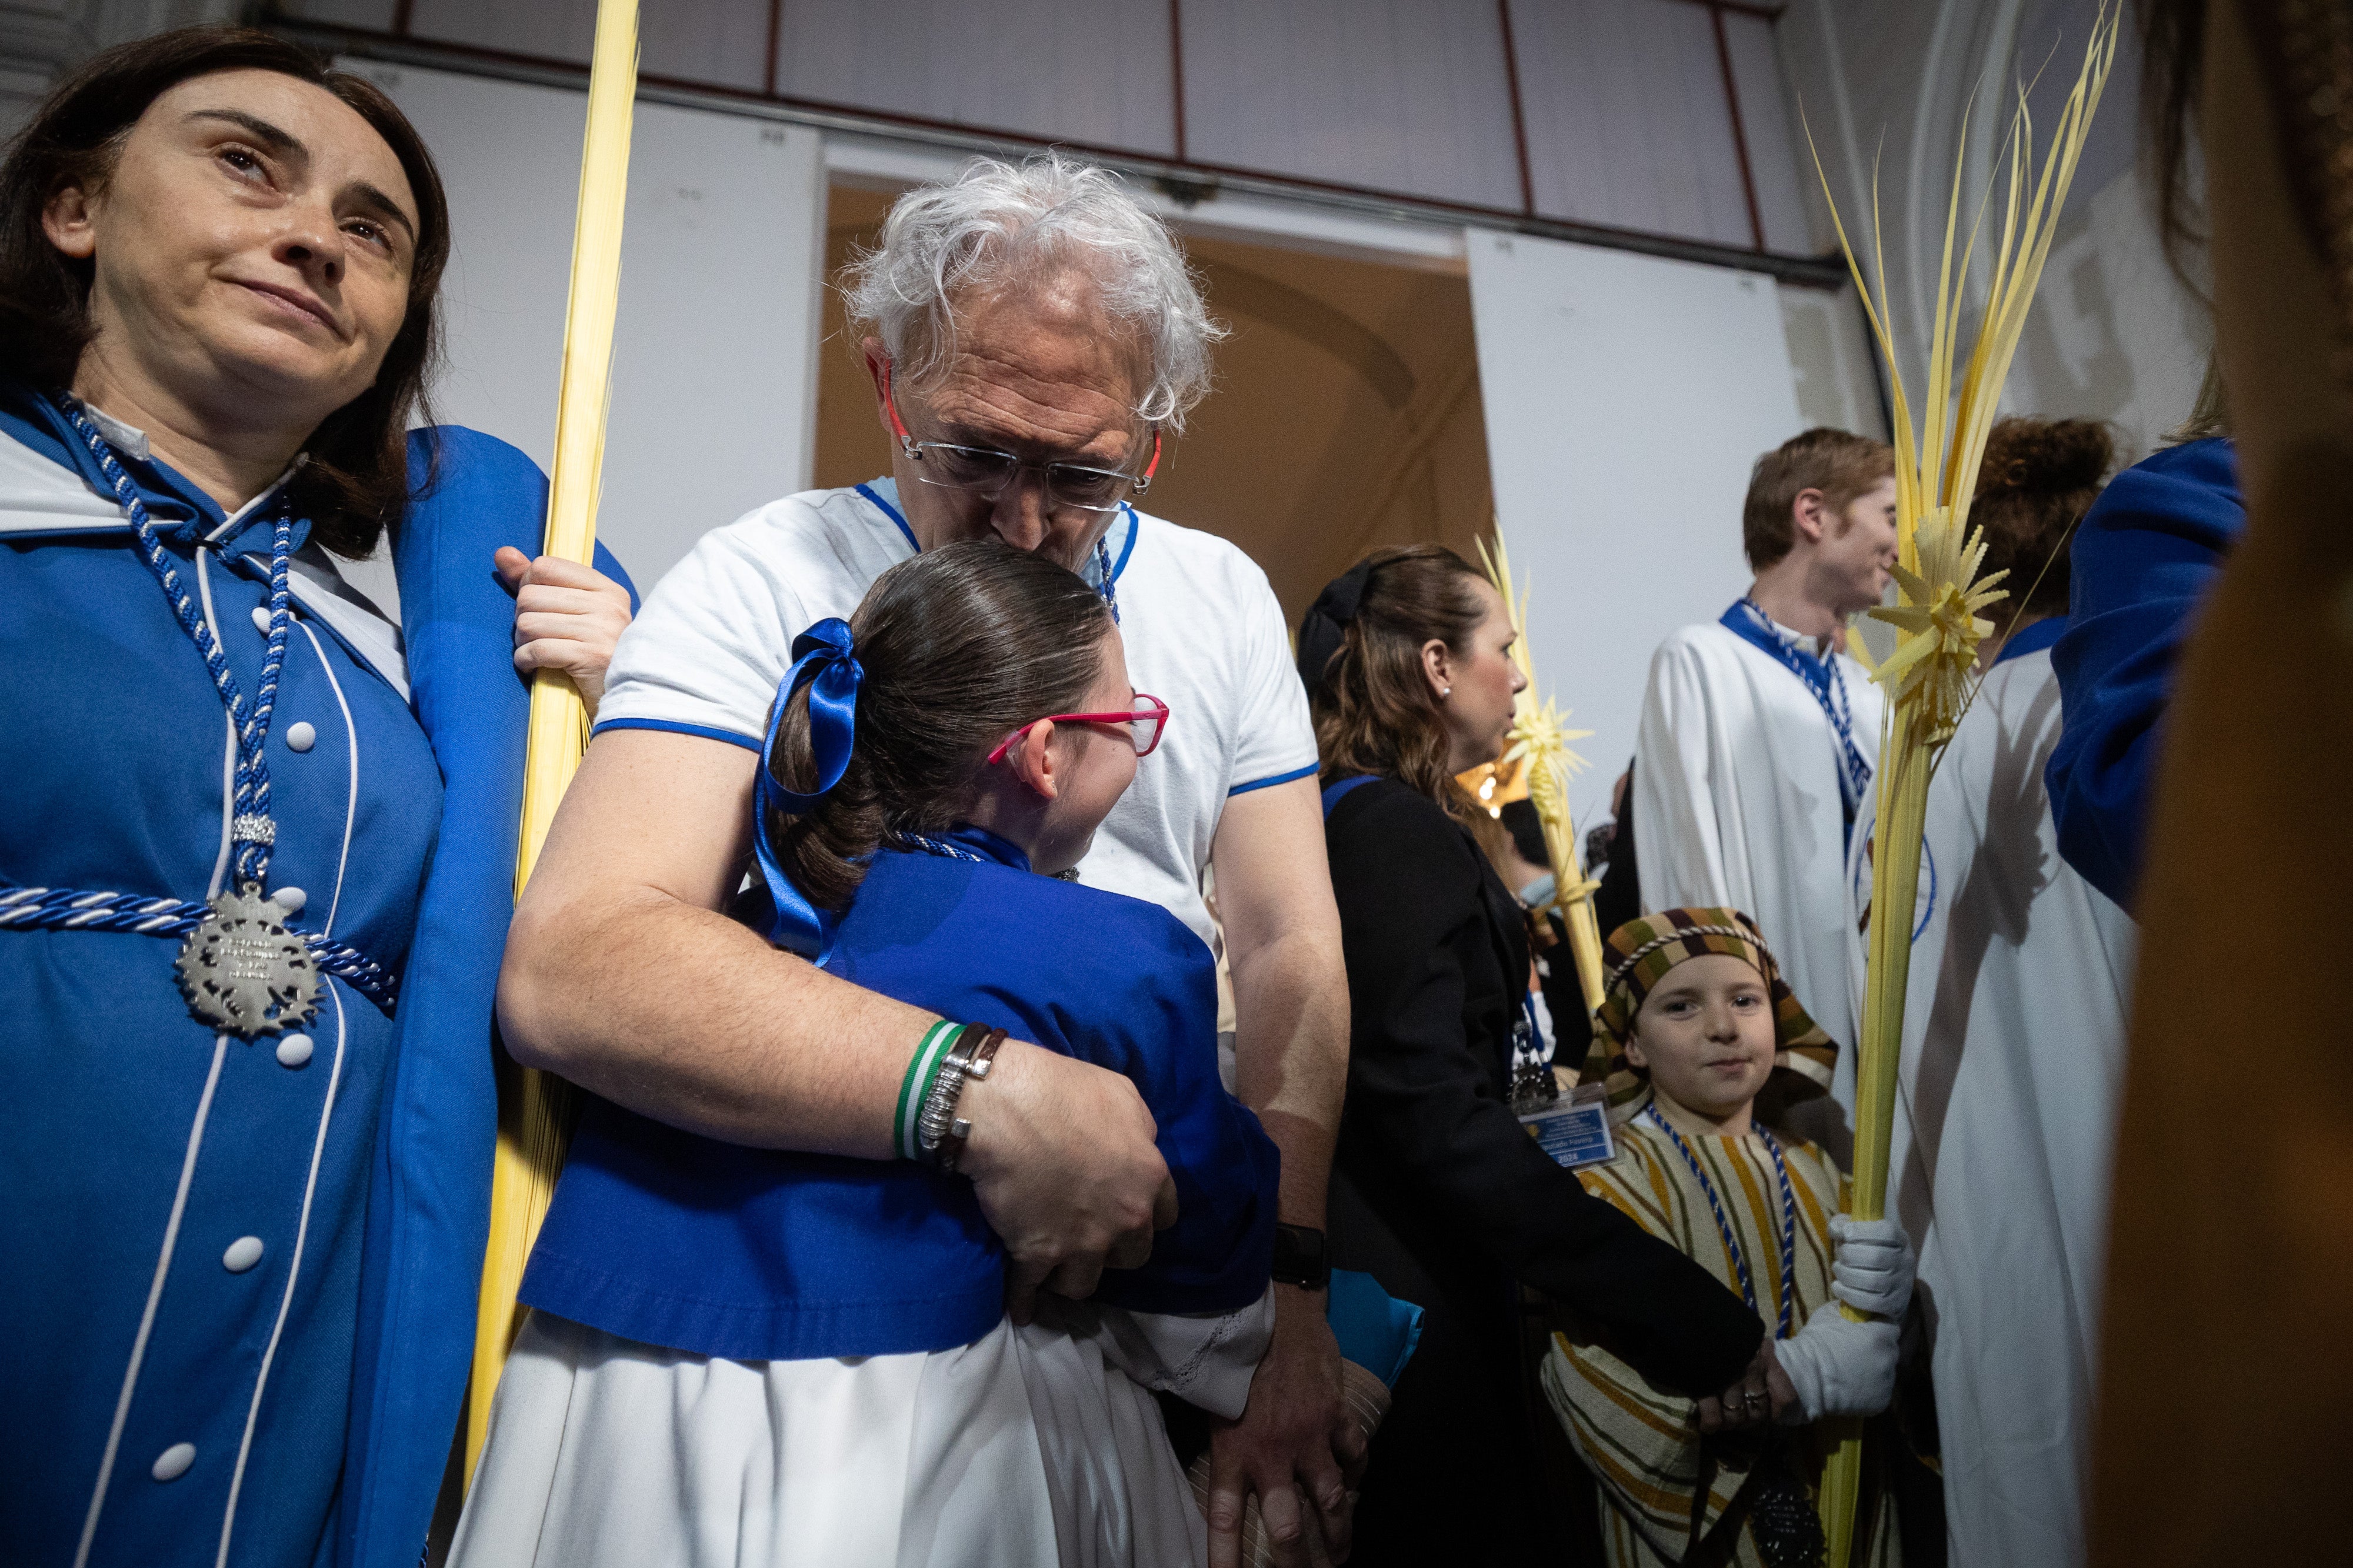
{"x": 743, "y": 1354}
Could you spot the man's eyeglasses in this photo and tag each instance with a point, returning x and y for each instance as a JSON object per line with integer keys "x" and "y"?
{"x": 986, "y": 472}
{"x": 1144, "y": 724}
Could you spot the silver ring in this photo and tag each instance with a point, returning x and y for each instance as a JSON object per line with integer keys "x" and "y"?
{"x": 1753, "y": 1397}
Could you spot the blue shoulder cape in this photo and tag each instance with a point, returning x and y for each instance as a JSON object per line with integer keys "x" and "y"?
{"x": 428, "y": 1206}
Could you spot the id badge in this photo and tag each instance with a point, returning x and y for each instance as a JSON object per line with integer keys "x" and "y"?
{"x": 1575, "y": 1132}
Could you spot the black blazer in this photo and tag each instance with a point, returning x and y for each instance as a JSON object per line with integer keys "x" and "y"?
{"x": 1461, "y": 1200}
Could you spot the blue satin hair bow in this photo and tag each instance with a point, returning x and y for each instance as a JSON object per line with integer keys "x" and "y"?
{"x": 826, "y": 661}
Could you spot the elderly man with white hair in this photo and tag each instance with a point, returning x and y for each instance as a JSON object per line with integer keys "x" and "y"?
{"x": 1034, "y": 337}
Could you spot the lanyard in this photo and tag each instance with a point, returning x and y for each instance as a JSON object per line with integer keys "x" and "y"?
{"x": 1531, "y": 1080}
{"x": 241, "y": 970}
{"x": 1748, "y": 621}
{"x": 1723, "y": 1226}
{"x": 251, "y": 828}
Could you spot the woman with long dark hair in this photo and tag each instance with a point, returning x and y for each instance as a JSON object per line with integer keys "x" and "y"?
{"x": 243, "y": 1200}
{"x": 1437, "y": 1191}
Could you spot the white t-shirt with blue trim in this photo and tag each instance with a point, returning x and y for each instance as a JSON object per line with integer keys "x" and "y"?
{"x": 1203, "y": 630}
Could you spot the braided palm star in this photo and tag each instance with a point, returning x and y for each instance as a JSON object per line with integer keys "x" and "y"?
{"x": 1540, "y": 734}
{"x": 1930, "y": 668}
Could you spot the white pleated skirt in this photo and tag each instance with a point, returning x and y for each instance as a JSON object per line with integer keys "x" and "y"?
{"x": 1031, "y": 1446}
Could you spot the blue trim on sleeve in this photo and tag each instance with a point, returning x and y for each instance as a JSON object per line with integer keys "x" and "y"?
{"x": 1294, "y": 775}
{"x": 749, "y": 742}
{"x": 871, "y": 493}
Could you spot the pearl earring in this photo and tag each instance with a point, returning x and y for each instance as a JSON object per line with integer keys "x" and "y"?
{"x": 1445, "y": 692}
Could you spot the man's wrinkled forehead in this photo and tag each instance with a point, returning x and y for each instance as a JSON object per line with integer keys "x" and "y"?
{"x": 1049, "y": 355}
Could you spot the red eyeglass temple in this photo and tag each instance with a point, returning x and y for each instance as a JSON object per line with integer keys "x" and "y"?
{"x": 891, "y": 405}
{"x": 1157, "y": 710}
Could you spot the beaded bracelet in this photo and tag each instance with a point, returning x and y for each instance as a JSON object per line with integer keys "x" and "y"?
{"x": 923, "y": 1072}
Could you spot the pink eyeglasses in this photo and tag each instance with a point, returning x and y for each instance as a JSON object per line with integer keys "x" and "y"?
{"x": 1143, "y": 725}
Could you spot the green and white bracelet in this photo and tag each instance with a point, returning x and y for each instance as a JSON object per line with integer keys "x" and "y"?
{"x": 930, "y": 1052}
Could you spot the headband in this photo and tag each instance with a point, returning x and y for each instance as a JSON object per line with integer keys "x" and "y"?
{"x": 826, "y": 661}
{"x": 1641, "y": 952}
{"x": 1322, "y": 628}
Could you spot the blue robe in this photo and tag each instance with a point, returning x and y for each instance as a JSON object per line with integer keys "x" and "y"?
{"x": 2143, "y": 556}
{"x": 671, "y": 1240}
{"x": 144, "y": 1158}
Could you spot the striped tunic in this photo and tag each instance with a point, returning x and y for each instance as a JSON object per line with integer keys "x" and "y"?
{"x": 1674, "y": 1497}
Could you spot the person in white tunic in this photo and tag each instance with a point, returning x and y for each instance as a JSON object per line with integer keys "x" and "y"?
{"x": 1759, "y": 731}
{"x": 1034, "y": 340}
{"x": 2013, "y": 1050}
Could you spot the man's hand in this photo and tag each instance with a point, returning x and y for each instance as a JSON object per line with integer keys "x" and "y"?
{"x": 1061, "y": 1158}
{"x": 1764, "y": 1394}
{"x": 567, "y": 617}
{"x": 1296, "y": 1434}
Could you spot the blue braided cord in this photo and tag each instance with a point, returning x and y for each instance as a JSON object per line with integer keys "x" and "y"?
{"x": 1103, "y": 569}
{"x": 1724, "y": 1226}
{"x": 252, "y": 724}
{"x": 69, "y": 909}
{"x": 940, "y": 846}
{"x": 253, "y": 859}
{"x": 1854, "y": 770}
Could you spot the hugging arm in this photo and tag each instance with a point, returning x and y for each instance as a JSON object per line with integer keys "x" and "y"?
{"x": 622, "y": 975}
{"x": 1291, "y": 1065}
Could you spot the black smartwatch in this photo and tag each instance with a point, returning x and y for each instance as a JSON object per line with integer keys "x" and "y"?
{"x": 1301, "y": 1257}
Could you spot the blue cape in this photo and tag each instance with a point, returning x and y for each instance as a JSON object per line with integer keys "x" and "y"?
{"x": 429, "y": 1206}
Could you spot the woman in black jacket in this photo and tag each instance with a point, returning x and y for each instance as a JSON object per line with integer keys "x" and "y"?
{"x": 1437, "y": 1190}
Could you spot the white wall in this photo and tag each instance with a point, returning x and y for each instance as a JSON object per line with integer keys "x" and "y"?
{"x": 1626, "y": 398}
{"x": 714, "y": 381}
{"x": 2112, "y": 334}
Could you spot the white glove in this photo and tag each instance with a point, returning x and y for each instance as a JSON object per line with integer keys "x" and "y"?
{"x": 1840, "y": 1367}
{"x": 1874, "y": 1265}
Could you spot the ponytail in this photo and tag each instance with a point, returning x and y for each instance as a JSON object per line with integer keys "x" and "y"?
{"x": 948, "y": 654}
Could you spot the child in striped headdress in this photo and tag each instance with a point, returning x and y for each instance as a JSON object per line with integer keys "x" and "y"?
{"x": 1700, "y": 1043}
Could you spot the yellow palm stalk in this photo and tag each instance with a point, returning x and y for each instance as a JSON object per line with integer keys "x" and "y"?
{"x": 1540, "y": 738}
{"x": 1929, "y": 676}
{"x": 535, "y": 1111}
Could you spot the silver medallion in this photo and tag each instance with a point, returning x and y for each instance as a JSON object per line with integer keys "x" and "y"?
{"x": 243, "y": 972}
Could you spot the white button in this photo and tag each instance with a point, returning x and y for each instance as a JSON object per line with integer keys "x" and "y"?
{"x": 300, "y": 736}
{"x": 174, "y": 1462}
{"x": 262, "y": 620}
{"x": 294, "y": 1050}
{"x": 291, "y": 899}
{"x": 242, "y": 1254}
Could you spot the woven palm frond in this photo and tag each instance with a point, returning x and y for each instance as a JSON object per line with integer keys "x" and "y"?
{"x": 1539, "y": 739}
{"x": 1930, "y": 677}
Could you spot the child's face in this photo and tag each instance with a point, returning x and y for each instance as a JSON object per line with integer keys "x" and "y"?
{"x": 1094, "y": 764}
{"x": 1706, "y": 1034}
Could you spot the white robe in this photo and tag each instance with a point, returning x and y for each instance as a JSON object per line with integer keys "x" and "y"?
{"x": 1736, "y": 804}
{"x": 2012, "y": 1066}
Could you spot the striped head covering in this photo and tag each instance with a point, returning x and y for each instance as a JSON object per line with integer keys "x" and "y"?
{"x": 1638, "y": 956}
